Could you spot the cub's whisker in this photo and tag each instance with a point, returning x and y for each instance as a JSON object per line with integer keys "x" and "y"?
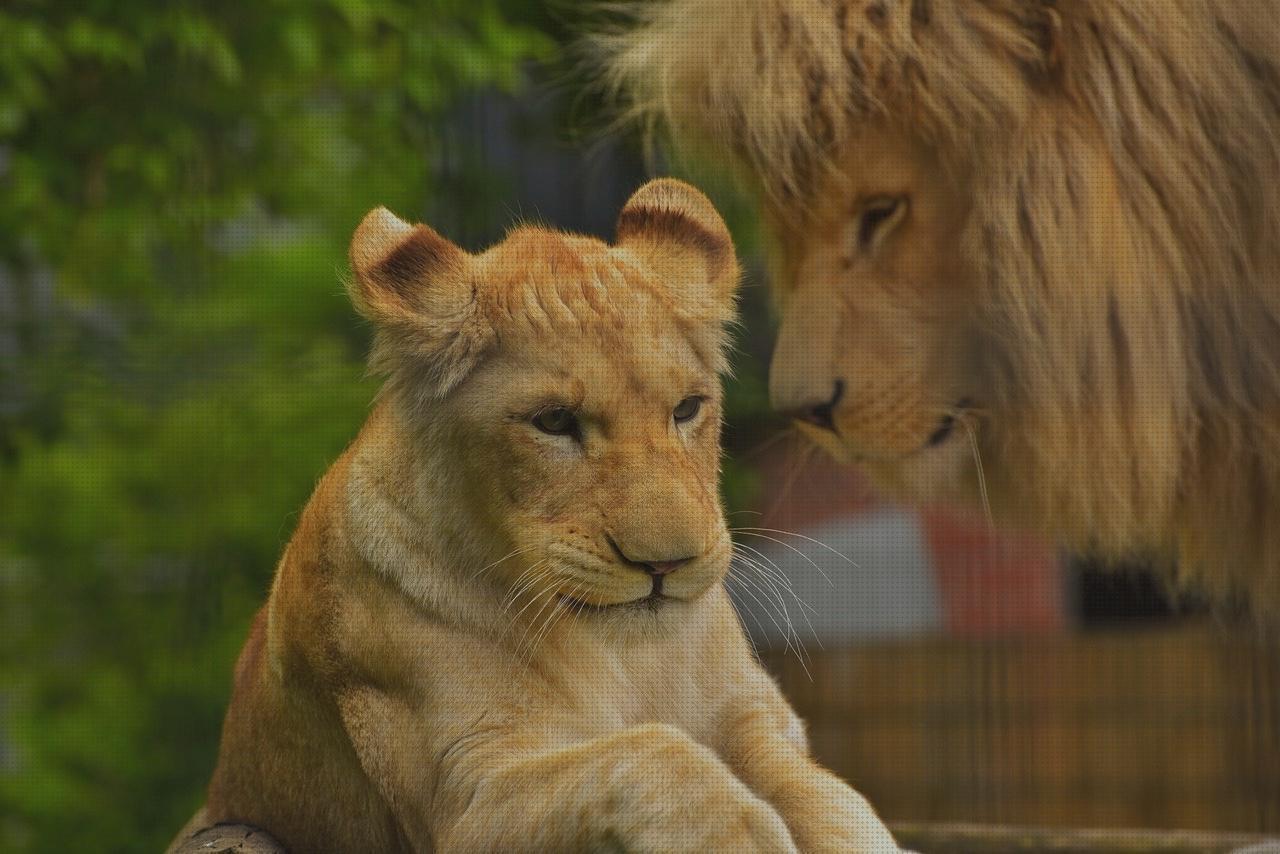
{"x": 485, "y": 569}
{"x": 779, "y": 583}
{"x": 521, "y": 580}
{"x": 773, "y": 571}
{"x": 789, "y": 634}
{"x": 806, "y": 557}
{"x": 526, "y": 652}
{"x": 559, "y": 610}
{"x": 751, "y": 531}
{"x": 750, "y": 590}
{"x": 730, "y": 582}
{"x": 529, "y": 585}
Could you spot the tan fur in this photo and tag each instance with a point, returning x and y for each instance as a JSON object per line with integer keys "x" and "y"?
{"x": 455, "y": 654}
{"x": 1090, "y": 259}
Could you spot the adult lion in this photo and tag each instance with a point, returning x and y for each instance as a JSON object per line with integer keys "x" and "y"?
{"x": 1043, "y": 234}
{"x": 501, "y": 623}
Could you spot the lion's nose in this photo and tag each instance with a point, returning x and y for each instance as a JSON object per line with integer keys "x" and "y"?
{"x": 664, "y": 567}
{"x": 820, "y": 414}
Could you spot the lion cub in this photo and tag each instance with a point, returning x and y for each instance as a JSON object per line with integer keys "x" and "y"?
{"x": 500, "y": 625}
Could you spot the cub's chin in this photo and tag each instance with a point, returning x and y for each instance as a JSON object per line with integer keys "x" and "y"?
{"x": 652, "y": 602}
{"x": 656, "y": 612}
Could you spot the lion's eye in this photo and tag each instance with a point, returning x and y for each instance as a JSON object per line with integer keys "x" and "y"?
{"x": 557, "y": 421}
{"x": 878, "y": 218}
{"x": 687, "y": 409}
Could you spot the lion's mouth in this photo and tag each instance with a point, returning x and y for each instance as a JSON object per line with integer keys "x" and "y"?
{"x": 947, "y": 426}
{"x": 944, "y": 431}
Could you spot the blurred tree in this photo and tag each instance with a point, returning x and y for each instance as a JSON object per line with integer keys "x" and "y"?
{"x": 178, "y": 183}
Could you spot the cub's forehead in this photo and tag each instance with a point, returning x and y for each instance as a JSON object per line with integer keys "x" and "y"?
{"x": 540, "y": 281}
{"x": 640, "y": 373}
{"x": 577, "y": 308}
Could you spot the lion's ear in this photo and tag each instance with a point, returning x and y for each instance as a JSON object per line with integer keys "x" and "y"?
{"x": 1042, "y": 23}
{"x": 676, "y": 230}
{"x": 417, "y": 289}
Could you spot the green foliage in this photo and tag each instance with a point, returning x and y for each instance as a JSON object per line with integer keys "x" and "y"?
{"x": 133, "y": 121}
{"x": 178, "y": 184}
{"x": 140, "y": 540}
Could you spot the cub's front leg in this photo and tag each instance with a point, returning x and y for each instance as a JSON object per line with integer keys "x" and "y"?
{"x": 514, "y": 787}
{"x": 767, "y": 748}
{"x": 649, "y": 788}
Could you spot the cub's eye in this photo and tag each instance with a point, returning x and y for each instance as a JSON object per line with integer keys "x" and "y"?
{"x": 879, "y": 216}
{"x": 687, "y": 409}
{"x": 557, "y": 421}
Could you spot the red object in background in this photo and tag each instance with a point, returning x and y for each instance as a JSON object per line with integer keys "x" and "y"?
{"x": 993, "y": 582}
{"x": 988, "y": 582}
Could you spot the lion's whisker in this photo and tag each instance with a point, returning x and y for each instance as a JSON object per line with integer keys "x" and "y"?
{"x": 788, "y": 433}
{"x": 801, "y": 459}
{"x": 977, "y": 462}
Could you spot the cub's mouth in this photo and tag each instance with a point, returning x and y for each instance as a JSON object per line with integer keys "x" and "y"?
{"x": 657, "y": 573}
{"x": 652, "y": 602}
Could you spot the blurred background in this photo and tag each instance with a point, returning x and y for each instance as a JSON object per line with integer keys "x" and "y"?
{"x": 179, "y": 364}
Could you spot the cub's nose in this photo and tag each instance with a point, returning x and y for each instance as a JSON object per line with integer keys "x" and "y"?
{"x": 640, "y": 559}
{"x": 820, "y": 414}
{"x": 664, "y": 567}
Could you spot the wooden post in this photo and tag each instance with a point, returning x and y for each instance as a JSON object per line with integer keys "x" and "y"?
{"x": 228, "y": 839}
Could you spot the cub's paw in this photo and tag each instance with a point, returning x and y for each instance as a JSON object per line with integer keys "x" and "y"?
{"x": 760, "y": 829}
{"x": 843, "y": 821}
{"x": 747, "y": 826}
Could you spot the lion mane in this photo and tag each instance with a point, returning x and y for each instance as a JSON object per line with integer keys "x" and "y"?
{"x": 1128, "y": 342}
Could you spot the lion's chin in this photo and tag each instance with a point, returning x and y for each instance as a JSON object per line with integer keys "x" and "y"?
{"x": 855, "y": 450}
{"x": 939, "y": 469}
{"x": 939, "y": 473}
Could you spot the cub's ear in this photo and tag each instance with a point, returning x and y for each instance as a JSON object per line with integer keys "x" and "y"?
{"x": 418, "y": 290}
{"x": 676, "y": 230}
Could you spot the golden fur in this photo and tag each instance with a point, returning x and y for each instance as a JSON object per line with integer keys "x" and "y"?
{"x": 1080, "y": 283}
{"x": 460, "y": 651}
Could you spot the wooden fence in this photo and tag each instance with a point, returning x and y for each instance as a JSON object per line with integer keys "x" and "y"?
{"x": 1161, "y": 728}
